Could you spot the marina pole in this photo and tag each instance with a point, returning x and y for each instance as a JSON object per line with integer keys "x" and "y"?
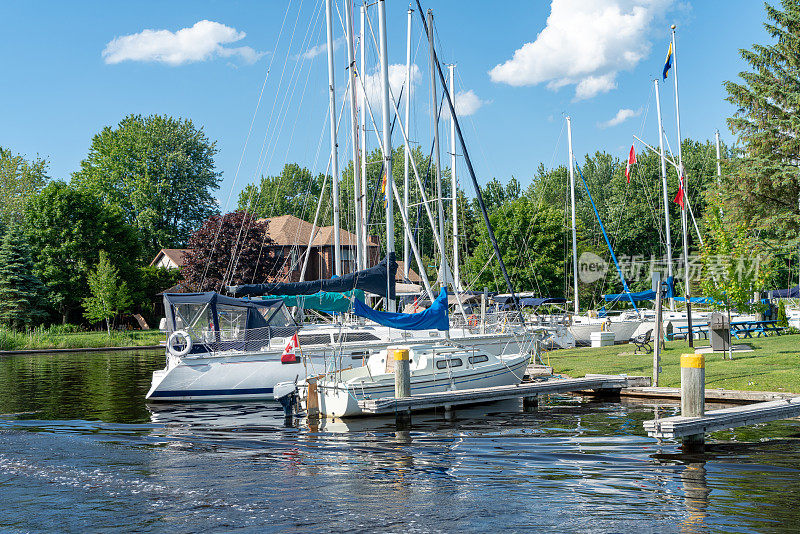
{"x": 658, "y": 336}
{"x": 363, "y": 100}
{"x": 664, "y": 187}
{"x": 574, "y": 231}
{"x": 693, "y": 393}
{"x": 454, "y": 186}
{"x": 407, "y": 154}
{"x": 443, "y": 270}
{"x": 682, "y": 179}
{"x": 337, "y": 246}
{"x": 387, "y": 145}
{"x": 352, "y": 71}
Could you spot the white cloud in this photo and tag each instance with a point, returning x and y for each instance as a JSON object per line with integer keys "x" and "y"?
{"x": 201, "y": 42}
{"x": 314, "y": 51}
{"x": 584, "y": 43}
{"x": 621, "y": 116}
{"x": 397, "y": 78}
{"x": 467, "y": 103}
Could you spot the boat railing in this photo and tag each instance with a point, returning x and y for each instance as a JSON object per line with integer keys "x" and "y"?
{"x": 227, "y": 339}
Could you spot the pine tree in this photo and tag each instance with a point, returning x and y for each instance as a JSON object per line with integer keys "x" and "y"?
{"x": 21, "y": 292}
{"x": 763, "y": 186}
{"x": 110, "y": 294}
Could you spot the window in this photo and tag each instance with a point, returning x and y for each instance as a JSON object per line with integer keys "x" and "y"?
{"x": 232, "y": 322}
{"x": 478, "y": 359}
{"x": 450, "y": 362}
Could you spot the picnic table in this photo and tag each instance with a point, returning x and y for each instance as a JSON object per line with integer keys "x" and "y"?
{"x": 746, "y": 329}
{"x": 698, "y": 329}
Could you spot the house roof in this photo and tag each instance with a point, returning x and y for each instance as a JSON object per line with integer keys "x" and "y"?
{"x": 290, "y": 230}
{"x": 413, "y": 276}
{"x": 176, "y": 255}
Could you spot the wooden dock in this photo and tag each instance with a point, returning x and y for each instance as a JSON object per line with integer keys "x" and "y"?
{"x": 729, "y": 396}
{"x": 716, "y": 420}
{"x": 530, "y": 391}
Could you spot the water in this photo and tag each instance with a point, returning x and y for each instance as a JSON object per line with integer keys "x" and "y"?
{"x": 81, "y": 451}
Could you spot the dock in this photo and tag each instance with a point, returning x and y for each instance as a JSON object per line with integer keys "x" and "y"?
{"x": 716, "y": 420}
{"x": 728, "y": 396}
{"x": 529, "y": 392}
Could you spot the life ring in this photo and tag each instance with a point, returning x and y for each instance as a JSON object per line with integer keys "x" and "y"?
{"x": 472, "y": 321}
{"x": 185, "y": 338}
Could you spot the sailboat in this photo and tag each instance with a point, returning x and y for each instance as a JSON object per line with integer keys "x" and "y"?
{"x": 211, "y": 370}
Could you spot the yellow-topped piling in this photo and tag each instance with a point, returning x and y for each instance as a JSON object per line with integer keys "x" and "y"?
{"x": 693, "y": 391}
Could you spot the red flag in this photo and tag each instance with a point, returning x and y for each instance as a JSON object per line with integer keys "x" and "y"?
{"x": 631, "y": 161}
{"x": 679, "y": 197}
{"x": 289, "y": 355}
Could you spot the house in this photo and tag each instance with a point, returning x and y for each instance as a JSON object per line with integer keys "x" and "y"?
{"x": 413, "y": 276}
{"x": 169, "y": 258}
{"x": 290, "y": 236}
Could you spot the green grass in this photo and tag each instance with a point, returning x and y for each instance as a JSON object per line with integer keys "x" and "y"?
{"x": 774, "y": 364}
{"x": 66, "y": 337}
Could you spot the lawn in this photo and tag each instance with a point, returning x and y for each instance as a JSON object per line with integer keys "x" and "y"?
{"x": 52, "y": 338}
{"x": 774, "y": 364}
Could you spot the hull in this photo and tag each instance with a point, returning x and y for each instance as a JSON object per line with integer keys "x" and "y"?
{"x": 253, "y": 375}
{"x": 341, "y": 400}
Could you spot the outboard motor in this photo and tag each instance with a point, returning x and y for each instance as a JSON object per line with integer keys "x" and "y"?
{"x": 286, "y": 394}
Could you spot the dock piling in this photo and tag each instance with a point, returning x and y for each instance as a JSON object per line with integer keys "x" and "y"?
{"x": 693, "y": 393}
{"x": 402, "y": 384}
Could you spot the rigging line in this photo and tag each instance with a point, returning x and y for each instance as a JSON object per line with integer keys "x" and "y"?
{"x": 228, "y": 272}
{"x": 247, "y": 139}
{"x": 278, "y": 186}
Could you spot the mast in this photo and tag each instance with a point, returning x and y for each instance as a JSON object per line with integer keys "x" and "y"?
{"x": 337, "y": 246}
{"x": 351, "y": 93}
{"x": 682, "y": 178}
{"x": 363, "y": 100}
{"x": 387, "y": 143}
{"x": 407, "y": 153}
{"x": 454, "y": 186}
{"x": 574, "y": 230}
{"x": 473, "y": 178}
{"x": 719, "y": 169}
{"x": 443, "y": 274}
{"x": 664, "y": 187}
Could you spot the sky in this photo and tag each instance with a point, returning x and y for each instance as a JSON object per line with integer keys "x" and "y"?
{"x": 253, "y": 75}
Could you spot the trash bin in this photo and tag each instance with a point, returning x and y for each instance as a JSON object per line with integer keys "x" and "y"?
{"x": 720, "y": 329}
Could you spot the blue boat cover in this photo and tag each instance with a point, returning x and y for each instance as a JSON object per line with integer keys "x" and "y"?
{"x": 379, "y": 279}
{"x": 790, "y": 293}
{"x": 641, "y": 295}
{"x": 434, "y": 318}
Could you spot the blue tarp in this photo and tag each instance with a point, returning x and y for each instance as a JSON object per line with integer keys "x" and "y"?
{"x": 698, "y": 300}
{"x": 791, "y": 293}
{"x": 434, "y": 318}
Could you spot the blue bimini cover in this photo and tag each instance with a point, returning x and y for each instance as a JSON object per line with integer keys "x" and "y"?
{"x": 434, "y": 318}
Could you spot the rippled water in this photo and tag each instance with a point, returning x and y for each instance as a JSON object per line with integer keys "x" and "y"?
{"x": 80, "y": 450}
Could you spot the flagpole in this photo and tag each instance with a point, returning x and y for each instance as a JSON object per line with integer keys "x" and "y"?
{"x": 664, "y": 187}
{"x": 719, "y": 170}
{"x": 574, "y": 232}
{"x": 682, "y": 181}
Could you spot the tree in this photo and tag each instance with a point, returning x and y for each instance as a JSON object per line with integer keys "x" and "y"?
{"x": 67, "y": 228}
{"x": 109, "y": 294}
{"x": 21, "y": 292}
{"x": 735, "y": 264}
{"x": 531, "y": 241}
{"x": 762, "y": 188}
{"x": 234, "y": 249}
{"x": 19, "y": 180}
{"x": 159, "y": 171}
{"x": 295, "y": 191}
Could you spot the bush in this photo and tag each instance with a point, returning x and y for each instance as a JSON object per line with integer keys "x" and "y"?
{"x": 783, "y": 320}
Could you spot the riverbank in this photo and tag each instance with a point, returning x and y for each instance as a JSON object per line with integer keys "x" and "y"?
{"x": 40, "y": 340}
{"x": 773, "y": 365}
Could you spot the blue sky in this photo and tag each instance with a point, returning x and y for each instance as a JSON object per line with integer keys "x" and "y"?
{"x": 71, "y": 68}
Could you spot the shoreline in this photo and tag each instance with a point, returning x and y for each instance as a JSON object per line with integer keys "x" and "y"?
{"x": 85, "y": 349}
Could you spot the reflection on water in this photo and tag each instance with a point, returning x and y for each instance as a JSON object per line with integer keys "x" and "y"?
{"x": 79, "y": 449}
